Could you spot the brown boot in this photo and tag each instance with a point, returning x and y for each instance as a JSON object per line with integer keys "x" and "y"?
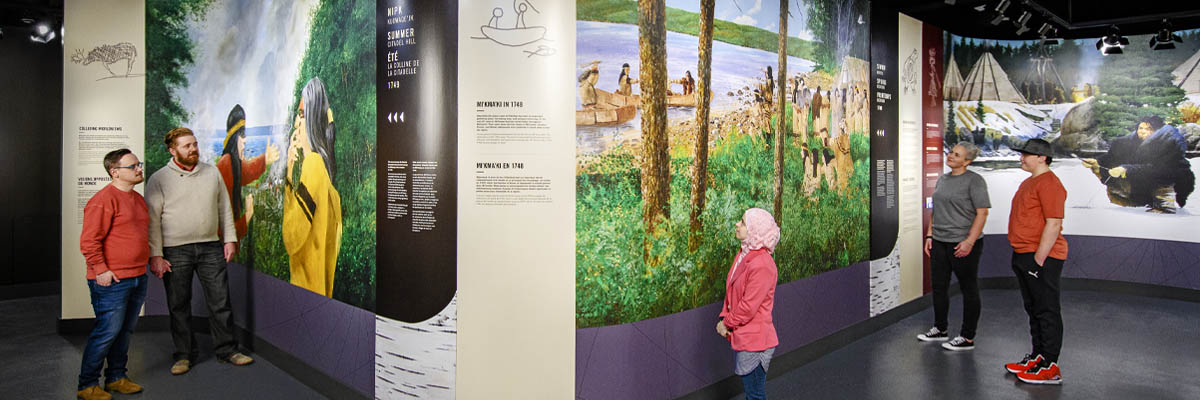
{"x": 93, "y": 393}
{"x": 239, "y": 359}
{"x": 181, "y": 367}
{"x": 123, "y": 386}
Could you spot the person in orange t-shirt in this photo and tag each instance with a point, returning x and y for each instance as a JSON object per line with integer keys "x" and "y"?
{"x": 1039, "y": 251}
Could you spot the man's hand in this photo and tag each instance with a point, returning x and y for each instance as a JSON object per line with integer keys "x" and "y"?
{"x": 159, "y": 266}
{"x": 963, "y": 248}
{"x": 722, "y": 329}
{"x": 1040, "y": 260}
{"x": 107, "y": 278}
{"x": 928, "y": 246}
{"x": 230, "y": 250}
{"x": 1117, "y": 172}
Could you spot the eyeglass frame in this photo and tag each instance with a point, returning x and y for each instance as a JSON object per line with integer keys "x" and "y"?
{"x": 141, "y": 165}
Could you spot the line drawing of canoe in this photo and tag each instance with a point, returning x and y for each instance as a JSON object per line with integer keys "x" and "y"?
{"x": 605, "y": 116}
{"x": 514, "y": 37}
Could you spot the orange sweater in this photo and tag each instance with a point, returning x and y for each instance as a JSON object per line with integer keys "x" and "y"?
{"x": 115, "y": 234}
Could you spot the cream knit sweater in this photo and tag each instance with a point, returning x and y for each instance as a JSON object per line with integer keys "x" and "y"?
{"x": 188, "y": 207}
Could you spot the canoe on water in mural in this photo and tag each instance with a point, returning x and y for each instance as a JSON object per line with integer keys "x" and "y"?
{"x": 514, "y": 36}
{"x": 675, "y": 100}
{"x": 605, "y": 116}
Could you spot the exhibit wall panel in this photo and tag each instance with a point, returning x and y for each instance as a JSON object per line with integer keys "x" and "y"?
{"x": 909, "y": 164}
{"x": 651, "y": 258}
{"x": 516, "y": 250}
{"x": 104, "y": 95}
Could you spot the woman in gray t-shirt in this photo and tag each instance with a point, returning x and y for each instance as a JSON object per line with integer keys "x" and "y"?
{"x": 960, "y": 208}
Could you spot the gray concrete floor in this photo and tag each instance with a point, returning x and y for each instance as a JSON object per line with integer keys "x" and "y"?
{"x": 38, "y": 363}
{"x": 1115, "y": 347}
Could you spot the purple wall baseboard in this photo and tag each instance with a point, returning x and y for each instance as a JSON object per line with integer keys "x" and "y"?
{"x": 673, "y": 355}
{"x": 1146, "y": 261}
{"x": 332, "y": 337}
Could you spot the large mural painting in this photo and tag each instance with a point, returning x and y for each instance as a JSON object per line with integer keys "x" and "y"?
{"x": 1124, "y": 128}
{"x": 280, "y": 95}
{"x": 691, "y": 113}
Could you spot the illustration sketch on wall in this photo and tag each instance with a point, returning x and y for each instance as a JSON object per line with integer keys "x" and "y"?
{"x": 910, "y": 73}
{"x": 516, "y": 32}
{"x": 107, "y": 55}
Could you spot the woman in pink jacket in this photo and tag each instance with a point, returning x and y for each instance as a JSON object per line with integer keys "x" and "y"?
{"x": 749, "y": 299}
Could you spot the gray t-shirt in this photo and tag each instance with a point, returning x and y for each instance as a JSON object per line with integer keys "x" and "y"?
{"x": 954, "y": 202}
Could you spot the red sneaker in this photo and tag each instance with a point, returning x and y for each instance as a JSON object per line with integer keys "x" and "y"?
{"x": 1042, "y": 375}
{"x": 1025, "y": 364}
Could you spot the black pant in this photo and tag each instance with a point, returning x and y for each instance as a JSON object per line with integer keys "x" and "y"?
{"x": 1040, "y": 291}
{"x": 206, "y": 260}
{"x": 941, "y": 262}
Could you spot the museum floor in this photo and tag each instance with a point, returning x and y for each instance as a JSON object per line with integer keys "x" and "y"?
{"x": 1116, "y": 347}
{"x": 41, "y": 364}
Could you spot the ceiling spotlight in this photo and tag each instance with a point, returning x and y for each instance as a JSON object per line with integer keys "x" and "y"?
{"x": 999, "y": 16}
{"x": 1164, "y": 39}
{"x": 1113, "y": 43}
{"x": 1044, "y": 31}
{"x": 42, "y": 33}
{"x": 1022, "y": 21}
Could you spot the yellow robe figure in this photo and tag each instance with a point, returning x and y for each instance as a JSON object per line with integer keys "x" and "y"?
{"x": 312, "y": 227}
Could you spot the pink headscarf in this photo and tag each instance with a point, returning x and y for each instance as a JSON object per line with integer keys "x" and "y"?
{"x": 761, "y": 230}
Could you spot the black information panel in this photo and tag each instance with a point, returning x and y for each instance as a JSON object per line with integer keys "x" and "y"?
{"x": 417, "y": 170}
{"x": 885, "y": 218}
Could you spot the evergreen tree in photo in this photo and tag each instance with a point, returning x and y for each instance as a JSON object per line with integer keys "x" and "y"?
{"x": 1135, "y": 85}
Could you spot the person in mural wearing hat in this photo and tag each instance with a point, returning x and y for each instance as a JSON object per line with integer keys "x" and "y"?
{"x": 960, "y": 209}
{"x": 237, "y": 171}
{"x": 745, "y": 318}
{"x": 1144, "y": 167}
{"x": 1039, "y": 252}
{"x": 312, "y": 207}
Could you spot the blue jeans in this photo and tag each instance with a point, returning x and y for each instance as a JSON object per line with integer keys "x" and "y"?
{"x": 117, "y": 307}
{"x": 755, "y": 384}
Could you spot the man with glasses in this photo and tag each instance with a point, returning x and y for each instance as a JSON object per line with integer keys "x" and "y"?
{"x": 192, "y": 232}
{"x": 114, "y": 246}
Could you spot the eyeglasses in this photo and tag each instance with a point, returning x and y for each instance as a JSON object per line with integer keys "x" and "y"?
{"x": 133, "y": 167}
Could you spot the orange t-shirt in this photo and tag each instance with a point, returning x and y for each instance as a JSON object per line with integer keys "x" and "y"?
{"x": 1037, "y": 199}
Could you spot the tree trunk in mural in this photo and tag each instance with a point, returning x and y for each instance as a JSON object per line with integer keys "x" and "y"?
{"x": 704, "y": 103}
{"x": 656, "y": 167}
{"x": 781, "y": 110}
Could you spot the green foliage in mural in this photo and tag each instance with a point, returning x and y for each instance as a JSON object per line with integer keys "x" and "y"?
{"x": 821, "y": 232}
{"x": 1135, "y": 85}
{"x": 835, "y": 23}
{"x": 168, "y": 53}
{"x": 625, "y": 12}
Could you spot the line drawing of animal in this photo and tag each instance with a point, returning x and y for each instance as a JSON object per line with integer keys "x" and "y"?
{"x": 107, "y": 55}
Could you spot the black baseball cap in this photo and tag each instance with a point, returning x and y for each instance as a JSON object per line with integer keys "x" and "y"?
{"x": 1036, "y": 147}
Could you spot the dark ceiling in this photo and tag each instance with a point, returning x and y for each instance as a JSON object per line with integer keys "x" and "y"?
{"x": 1074, "y": 19}
{"x": 14, "y": 12}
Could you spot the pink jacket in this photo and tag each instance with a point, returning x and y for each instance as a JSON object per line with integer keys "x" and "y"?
{"x": 749, "y": 299}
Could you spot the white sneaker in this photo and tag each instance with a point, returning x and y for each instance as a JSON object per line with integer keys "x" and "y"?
{"x": 959, "y": 343}
{"x": 934, "y": 335}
